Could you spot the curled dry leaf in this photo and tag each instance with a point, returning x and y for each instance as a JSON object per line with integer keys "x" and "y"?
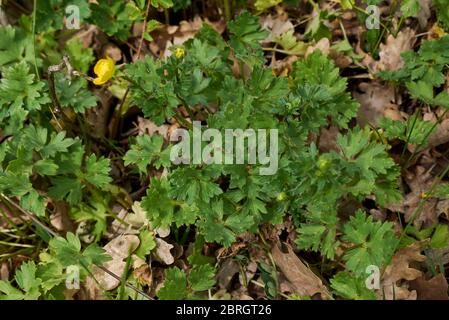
{"x": 60, "y": 219}
{"x": 228, "y": 269}
{"x": 163, "y": 232}
{"x": 146, "y": 126}
{"x": 440, "y": 135}
{"x": 276, "y": 26}
{"x": 390, "y": 52}
{"x": 111, "y": 50}
{"x": 143, "y": 275}
{"x": 419, "y": 181}
{"x": 328, "y": 139}
{"x": 162, "y": 252}
{"x": 4, "y": 271}
{"x": 424, "y": 13}
{"x": 399, "y": 270}
{"x": 443, "y": 207}
{"x": 304, "y": 281}
{"x": 432, "y": 289}
{"x": 323, "y": 45}
{"x": 376, "y": 101}
{"x": 119, "y": 249}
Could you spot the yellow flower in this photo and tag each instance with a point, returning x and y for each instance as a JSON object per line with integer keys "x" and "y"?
{"x": 104, "y": 69}
{"x": 179, "y": 53}
{"x": 436, "y": 31}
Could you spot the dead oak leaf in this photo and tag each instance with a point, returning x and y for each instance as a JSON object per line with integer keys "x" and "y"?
{"x": 400, "y": 270}
{"x": 303, "y": 280}
{"x": 390, "y": 52}
{"x": 163, "y": 253}
{"x": 119, "y": 249}
{"x": 376, "y": 101}
{"x": 432, "y": 289}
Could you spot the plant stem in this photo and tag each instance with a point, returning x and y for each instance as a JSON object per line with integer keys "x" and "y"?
{"x": 227, "y": 9}
{"x": 34, "y": 38}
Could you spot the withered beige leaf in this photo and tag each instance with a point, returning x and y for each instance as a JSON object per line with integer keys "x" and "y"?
{"x": 119, "y": 249}
{"x": 399, "y": 270}
{"x": 390, "y": 52}
{"x": 376, "y": 101}
{"x": 304, "y": 281}
{"x": 162, "y": 252}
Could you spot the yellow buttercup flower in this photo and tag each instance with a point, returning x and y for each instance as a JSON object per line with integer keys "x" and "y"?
{"x": 104, "y": 69}
{"x": 436, "y": 31}
{"x": 179, "y": 53}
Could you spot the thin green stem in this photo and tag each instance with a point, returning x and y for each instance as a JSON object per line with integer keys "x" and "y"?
{"x": 34, "y": 39}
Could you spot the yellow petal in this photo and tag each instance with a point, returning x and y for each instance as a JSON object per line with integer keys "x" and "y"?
{"x": 179, "y": 53}
{"x": 104, "y": 69}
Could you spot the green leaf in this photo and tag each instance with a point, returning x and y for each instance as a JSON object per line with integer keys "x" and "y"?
{"x": 147, "y": 244}
{"x": 68, "y": 252}
{"x": 97, "y": 171}
{"x": 201, "y": 277}
{"x": 46, "y": 167}
{"x": 349, "y": 287}
{"x": 175, "y": 285}
{"x": 81, "y": 58}
{"x": 20, "y": 94}
{"x": 262, "y": 5}
{"x": 374, "y": 242}
{"x": 27, "y": 281}
{"x": 15, "y": 45}
{"x": 148, "y": 150}
{"x": 440, "y": 238}
{"x": 245, "y": 34}
{"x": 410, "y": 8}
{"x": 74, "y": 94}
{"x": 9, "y": 292}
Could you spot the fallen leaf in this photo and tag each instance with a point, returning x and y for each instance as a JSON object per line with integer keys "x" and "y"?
{"x": 162, "y": 252}
{"x": 228, "y": 269}
{"x": 390, "y": 52}
{"x": 432, "y": 289}
{"x": 323, "y": 45}
{"x": 376, "y": 101}
{"x": 399, "y": 270}
{"x": 424, "y": 13}
{"x": 119, "y": 249}
{"x": 304, "y": 281}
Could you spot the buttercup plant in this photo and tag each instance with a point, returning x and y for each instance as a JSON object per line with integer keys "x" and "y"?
{"x": 221, "y": 147}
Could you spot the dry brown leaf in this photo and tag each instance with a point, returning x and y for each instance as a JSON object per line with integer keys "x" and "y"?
{"x": 390, "y": 52}
{"x": 328, "y": 139}
{"x": 162, "y": 232}
{"x": 376, "y": 101}
{"x": 113, "y": 51}
{"x": 424, "y": 13}
{"x": 432, "y": 289}
{"x": 304, "y": 281}
{"x": 162, "y": 252}
{"x": 275, "y": 26}
{"x": 228, "y": 269}
{"x": 323, "y": 45}
{"x": 399, "y": 270}
{"x": 146, "y": 126}
{"x": 60, "y": 219}
{"x": 119, "y": 249}
{"x": 440, "y": 135}
{"x": 4, "y": 271}
{"x": 419, "y": 180}
{"x": 143, "y": 275}
{"x": 443, "y": 207}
